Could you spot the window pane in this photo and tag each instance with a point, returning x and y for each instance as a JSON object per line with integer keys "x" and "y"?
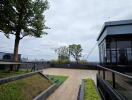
{"x": 124, "y": 52}
{"x": 123, "y": 44}
{"x": 113, "y": 44}
{"x": 113, "y": 54}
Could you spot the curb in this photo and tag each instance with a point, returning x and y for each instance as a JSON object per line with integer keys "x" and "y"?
{"x": 81, "y": 91}
{"x": 43, "y": 95}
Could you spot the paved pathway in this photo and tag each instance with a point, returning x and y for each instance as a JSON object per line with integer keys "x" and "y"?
{"x": 69, "y": 89}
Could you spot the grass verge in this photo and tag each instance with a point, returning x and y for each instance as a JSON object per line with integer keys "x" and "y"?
{"x": 24, "y": 89}
{"x": 90, "y": 92}
{"x": 4, "y": 74}
{"x": 57, "y": 79}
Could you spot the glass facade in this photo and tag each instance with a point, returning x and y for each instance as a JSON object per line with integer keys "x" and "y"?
{"x": 116, "y": 51}
{"x": 102, "y": 51}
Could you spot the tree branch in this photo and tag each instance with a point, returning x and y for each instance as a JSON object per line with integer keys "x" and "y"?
{"x": 23, "y": 36}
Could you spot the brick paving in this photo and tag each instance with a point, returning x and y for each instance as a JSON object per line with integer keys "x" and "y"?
{"x": 69, "y": 89}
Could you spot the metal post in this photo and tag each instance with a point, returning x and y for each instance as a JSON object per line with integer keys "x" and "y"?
{"x": 103, "y": 74}
{"x": 99, "y": 71}
{"x": 113, "y": 79}
{"x": 34, "y": 67}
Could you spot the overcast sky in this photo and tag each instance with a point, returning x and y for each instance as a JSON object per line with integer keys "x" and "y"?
{"x": 71, "y": 21}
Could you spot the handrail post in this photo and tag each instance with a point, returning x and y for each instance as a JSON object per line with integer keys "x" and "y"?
{"x": 113, "y": 79}
{"x": 103, "y": 74}
{"x": 34, "y": 66}
{"x": 98, "y": 70}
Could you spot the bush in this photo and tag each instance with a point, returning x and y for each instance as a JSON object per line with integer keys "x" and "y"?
{"x": 60, "y": 62}
{"x": 82, "y": 62}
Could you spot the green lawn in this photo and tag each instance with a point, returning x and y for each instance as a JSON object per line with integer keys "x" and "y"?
{"x": 90, "y": 92}
{"x": 4, "y": 74}
{"x": 57, "y": 79}
{"x": 24, "y": 89}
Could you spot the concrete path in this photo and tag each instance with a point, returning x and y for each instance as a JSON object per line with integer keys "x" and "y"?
{"x": 69, "y": 89}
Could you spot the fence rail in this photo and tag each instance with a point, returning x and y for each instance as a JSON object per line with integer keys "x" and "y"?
{"x": 24, "y": 65}
{"x": 120, "y": 82}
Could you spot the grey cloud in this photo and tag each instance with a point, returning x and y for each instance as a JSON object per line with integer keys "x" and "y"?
{"x": 71, "y": 21}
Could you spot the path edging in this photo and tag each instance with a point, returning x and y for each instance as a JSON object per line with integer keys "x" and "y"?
{"x": 81, "y": 91}
{"x": 13, "y": 78}
{"x": 46, "y": 93}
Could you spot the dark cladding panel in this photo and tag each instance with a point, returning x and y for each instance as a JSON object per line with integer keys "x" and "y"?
{"x": 120, "y": 29}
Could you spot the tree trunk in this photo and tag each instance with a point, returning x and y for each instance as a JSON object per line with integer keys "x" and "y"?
{"x": 77, "y": 60}
{"x": 16, "y": 47}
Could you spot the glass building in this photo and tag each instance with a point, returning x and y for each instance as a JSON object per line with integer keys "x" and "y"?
{"x": 115, "y": 43}
{"x": 114, "y": 77}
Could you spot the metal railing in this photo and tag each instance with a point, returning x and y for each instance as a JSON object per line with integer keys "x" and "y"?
{"x": 120, "y": 82}
{"x": 24, "y": 65}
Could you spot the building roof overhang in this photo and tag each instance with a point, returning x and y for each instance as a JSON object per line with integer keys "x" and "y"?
{"x": 113, "y": 23}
